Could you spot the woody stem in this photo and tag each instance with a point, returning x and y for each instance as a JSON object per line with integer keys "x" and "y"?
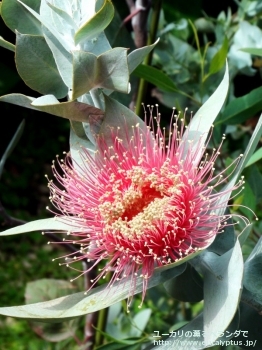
{"x": 156, "y": 8}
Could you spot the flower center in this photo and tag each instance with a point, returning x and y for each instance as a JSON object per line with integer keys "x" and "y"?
{"x": 135, "y": 201}
{"x": 145, "y": 197}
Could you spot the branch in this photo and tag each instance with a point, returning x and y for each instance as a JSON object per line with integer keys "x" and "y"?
{"x": 138, "y": 16}
{"x": 90, "y": 319}
{"x": 131, "y": 5}
{"x": 148, "y": 60}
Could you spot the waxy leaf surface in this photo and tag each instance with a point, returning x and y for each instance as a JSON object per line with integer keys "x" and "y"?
{"x": 94, "y": 26}
{"x": 109, "y": 71}
{"x": 36, "y": 66}
{"x": 16, "y": 17}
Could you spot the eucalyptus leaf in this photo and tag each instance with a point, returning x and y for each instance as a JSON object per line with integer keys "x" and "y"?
{"x": 6, "y": 44}
{"x": 41, "y": 225}
{"x": 78, "y": 304}
{"x": 86, "y": 98}
{"x": 225, "y": 240}
{"x": 137, "y": 56}
{"x": 56, "y": 24}
{"x": 109, "y": 71}
{"x": 121, "y": 119}
{"x": 92, "y": 129}
{"x": 84, "y": 12}
{"x": 19, "y": 100}
{"x": 72, "y": 110}
{"x": 113, "y": 70}
{"x": 78, "y": 129}
{"x": 97, "y": 46}
{"x": 84, "y": 68}
{"x": 222, "y": 289}
{"x": 46, "y": 21}
{"x": 69, "y": 6}
{"x": 17, "y": 18}
{"x": 94, "y": 26}
{"x": 62, "y": 57}
{"x": 77, "y": 145}
{"x": 202, "y": 121}
{"x": 37, "y": 67}
{"x": 63, "y": 14}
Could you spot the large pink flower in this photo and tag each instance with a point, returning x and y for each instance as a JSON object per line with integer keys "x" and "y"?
{"x": 142, "y": 203}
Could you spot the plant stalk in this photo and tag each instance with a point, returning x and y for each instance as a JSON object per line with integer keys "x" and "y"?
{"x": 156, "y": 8}
{"x": 101, "y": 325}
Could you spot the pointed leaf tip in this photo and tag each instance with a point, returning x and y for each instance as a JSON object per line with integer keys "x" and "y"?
{"x": 94, "y": 26}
